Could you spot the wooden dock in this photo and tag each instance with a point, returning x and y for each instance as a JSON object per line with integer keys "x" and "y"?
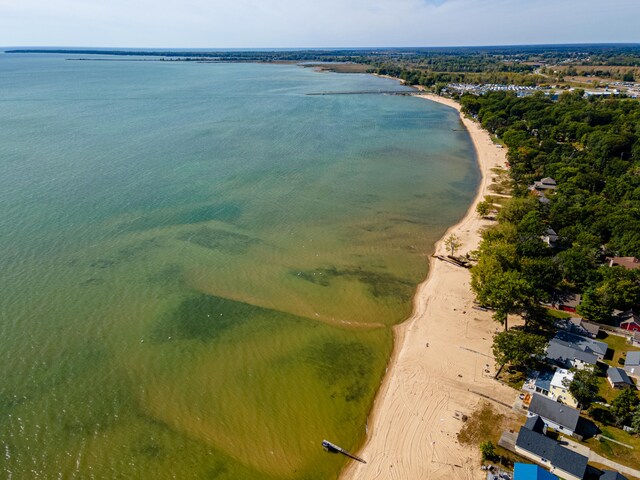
{"x": 333, "y": 448}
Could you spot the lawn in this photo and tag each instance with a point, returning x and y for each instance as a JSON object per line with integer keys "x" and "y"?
{"x": 620, "y": 346}
{"x": 558, "y": 314}
{"x": 485, "y": 424}
{"x": 615, "y": 452}
{"x": 513, "y": 377}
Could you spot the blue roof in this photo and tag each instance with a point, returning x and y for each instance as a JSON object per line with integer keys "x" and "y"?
{"x": 544, "y": 380}
{"x": 527, "y": 471}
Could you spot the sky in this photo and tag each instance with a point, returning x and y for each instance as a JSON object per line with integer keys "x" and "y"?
{"x": 314, "y": 23}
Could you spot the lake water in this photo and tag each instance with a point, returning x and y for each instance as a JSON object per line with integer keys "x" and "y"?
{"x": 201, "y": 263}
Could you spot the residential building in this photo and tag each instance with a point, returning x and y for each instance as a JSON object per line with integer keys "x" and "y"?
{"x": 566, "y": 355}
{"x": 618, "y": 378}
{"x": 583, "y": 328}
{"x": 632, "y": 364}
{"x": 598, "y": 348}
{"x": 561, "y": 418}
{"x": 560, "y": 387}
{"x": 567, "y": 302}
{"x": 546, "y": 183}
{"x": 539, "y": 382}
{"x": 550, "y": 237}
{"x": 628, "y": 320}
{"x": 536, "y": 446}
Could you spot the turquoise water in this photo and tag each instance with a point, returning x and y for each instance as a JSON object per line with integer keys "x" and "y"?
{"x": 201, "y": 263}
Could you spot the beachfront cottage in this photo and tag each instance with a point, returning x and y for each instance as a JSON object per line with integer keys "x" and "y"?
{"x": 528, "y": 471}
{"x": 566, "y": 355}
{"x": 632, "y": 364}
{"x": 559, "y": 390}
{"x": 539, "y": 382}
{"x": 555, "y": 415}
{"x": 536, "y": 446}
{"x": 589, "y": 345}
{"x": 618, "y": 378}
{"x": 545, "y": 184}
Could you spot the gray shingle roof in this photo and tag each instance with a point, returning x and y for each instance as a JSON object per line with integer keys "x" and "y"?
{"x": 569, "y": 461}
{"x": 582, "y": 343}
{"x": 633, "y": 358}
{"x": 562, "y": 352}
{"x": 544, "y": 447}
{"x": 580, "y": 327}
{"x": 618, "y": 375}
{"x": 556, "y": 412}
{"x": 536, "y": 443}
{"x": 535, "y": 424}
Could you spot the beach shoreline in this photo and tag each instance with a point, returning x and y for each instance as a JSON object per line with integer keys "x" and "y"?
{"x": 441, "y": 365}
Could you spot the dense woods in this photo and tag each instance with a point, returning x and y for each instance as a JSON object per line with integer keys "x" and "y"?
{"x": 591, "y": 148}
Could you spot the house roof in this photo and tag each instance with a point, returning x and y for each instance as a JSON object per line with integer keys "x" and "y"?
{"x": 630, "y": 263}
{"x": 611, "y": 475}
{"x": 535, "y": 423}
{"x": 536, "y": 443}
{"x": 569, "y": 300}
{"x": 578, "y": 325}
{"x": 583, "y": 343}
{"x": 556, "y": 412}
{"x": 544, "y": 184}
{"x": 560, "y": 377}
{"x": 551, "y": 233}
{"x": 544, "y": 447}
{"x": 544, "y": 380}
{"x": 528, "y": 471}
{"x": 625, "y": 315}
{"x": 635, "y": 319}
{"x": 633, "y": 359}
{"x": 618, "y": 375}
{"x": 569, "y": 461}
{"x": 562, "y": 352}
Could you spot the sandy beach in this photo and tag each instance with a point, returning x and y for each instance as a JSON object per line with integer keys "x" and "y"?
{"x": 441, "y": 365}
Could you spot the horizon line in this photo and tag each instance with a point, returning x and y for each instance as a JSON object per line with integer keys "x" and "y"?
{"x": 380, "y": 47}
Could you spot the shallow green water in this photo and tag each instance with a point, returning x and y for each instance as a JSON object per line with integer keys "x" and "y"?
{"x": 201, "y": 263}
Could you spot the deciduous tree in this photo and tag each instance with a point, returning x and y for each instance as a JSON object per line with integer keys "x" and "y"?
{"x": 518, "y": 348}
{"x": 453, "y": 243}
{"x": 584, "y": 387}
